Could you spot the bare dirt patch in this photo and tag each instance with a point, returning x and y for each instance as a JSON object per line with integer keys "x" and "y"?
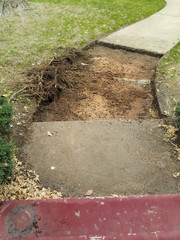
{"x": 76, "y": 156}
{"x": 104, "y": 84}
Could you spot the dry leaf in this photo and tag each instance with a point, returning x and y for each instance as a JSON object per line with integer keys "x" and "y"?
{"x": 49, "y": 134}
{"x": 171, "y": 132}
{"x": 114, "y": 195}
{"x": 25, "y": 185}
{"x": 176, "y": 175}
{"x": 89, "y": 192}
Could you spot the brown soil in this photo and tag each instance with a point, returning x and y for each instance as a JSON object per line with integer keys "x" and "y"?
{"x": 103, "y": 86}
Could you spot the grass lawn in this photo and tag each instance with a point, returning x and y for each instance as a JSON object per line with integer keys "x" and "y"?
{"x": 32, "y": 38}
{"x": 170, "y": 63}
{"x": 168, "y": 74}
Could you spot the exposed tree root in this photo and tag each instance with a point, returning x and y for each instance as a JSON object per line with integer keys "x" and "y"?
{"x": 47, "y": 81}
{"x": 16, "y": 93}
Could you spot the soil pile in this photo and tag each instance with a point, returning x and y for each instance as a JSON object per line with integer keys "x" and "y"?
{"x": 99, "y": 84}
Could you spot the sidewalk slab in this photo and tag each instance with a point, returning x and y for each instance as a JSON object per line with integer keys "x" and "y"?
{"x": 109, "y": 157}
{"x": 172, "y": 8}
{"x": 156, "y": 34}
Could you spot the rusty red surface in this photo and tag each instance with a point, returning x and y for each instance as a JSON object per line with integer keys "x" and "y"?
{"x": 134, "y": 218}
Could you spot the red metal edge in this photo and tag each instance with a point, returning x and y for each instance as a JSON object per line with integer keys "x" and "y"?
{"x": 133, "y": 217}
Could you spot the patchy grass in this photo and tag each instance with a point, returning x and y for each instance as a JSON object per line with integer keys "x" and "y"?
{"x": 31, "y": 38}
{"x": 169, "y": 65}
{"x": 168, "y": 79}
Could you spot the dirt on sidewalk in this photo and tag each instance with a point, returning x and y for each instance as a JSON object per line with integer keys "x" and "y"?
{"x": 103, "y": 84}
{"x": 108, "y": 157}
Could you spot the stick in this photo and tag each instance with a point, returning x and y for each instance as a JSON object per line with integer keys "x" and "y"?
{"x": 21, "y": 90}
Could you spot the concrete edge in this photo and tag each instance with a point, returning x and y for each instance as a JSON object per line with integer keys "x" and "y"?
{"x": 130, "y": 49}
{"x": 89, "y": 45}
{"x": 165, "y": 102}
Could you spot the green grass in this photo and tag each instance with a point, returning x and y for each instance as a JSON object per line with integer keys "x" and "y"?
{"x": 170, "y": 63}
{"x": 6, "y": 148}
{"x": 168, "y": 74}
{"x": 30, "y": 39}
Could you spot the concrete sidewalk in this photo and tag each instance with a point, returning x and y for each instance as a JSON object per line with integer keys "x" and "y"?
{"x": 109, "y": 157}
{"x": 156, "y": 34}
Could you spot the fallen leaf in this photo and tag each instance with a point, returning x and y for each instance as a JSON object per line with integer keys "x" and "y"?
{"x": 170, "y": 132}
{"x": 49, "y": 134}
{"x": 176, "y": 175}
{"x": 114, "y": 195}
{"x": 89, "y": 192}
{"x": 25, "y": 185}
{"x": 26, "y": 108}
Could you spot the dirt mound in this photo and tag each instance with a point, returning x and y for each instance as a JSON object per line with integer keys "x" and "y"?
{"x": 101, "y": 85}
{"x": 46, "y": 81}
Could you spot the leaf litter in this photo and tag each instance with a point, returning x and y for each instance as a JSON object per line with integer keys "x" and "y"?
{"x": 171, "y": 134}
{"x": 25, "y": 185}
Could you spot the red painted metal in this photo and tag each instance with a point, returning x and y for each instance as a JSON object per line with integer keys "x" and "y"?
{"x": 127, "y": 218}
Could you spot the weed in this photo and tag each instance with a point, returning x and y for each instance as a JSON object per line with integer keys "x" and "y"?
{"x": 5, "y": 115}
{"x": 177, "y": 114}
{"x": 6, "y": 160}
{"x": 6, "y": 148}
{"x": 170, "y": 61}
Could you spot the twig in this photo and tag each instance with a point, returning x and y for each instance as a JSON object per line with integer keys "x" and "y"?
{"x": 21, "y": 90}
